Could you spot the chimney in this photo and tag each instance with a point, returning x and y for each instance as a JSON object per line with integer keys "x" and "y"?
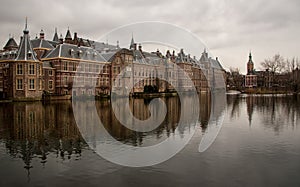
{"x": 134, "y": 46}
{"x": 42, "y": 34}
{"x": 61, "y": 39}
{"x": 217, "y": 59}
{"x": 140, "y": 47}
{"x": 168, "y": 55}
{"x": 75, "y": 36}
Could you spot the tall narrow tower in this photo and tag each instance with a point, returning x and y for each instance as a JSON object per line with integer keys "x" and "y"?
{"x": 250, "y": 65}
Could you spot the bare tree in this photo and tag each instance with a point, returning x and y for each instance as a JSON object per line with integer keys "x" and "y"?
{"x": 234, "y": 70}
{"x": 236, "y": 79}
{"x": 275, "y": 65}
{"x": 290, "y": 65}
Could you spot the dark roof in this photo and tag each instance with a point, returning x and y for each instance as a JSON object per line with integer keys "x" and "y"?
{"x": 68, "y": 35}
{"x": 101, "y": 46}
{"x": 73, "y": 51}
{"x": 108, "y": 55}
{"x": 55, "y": 37}
{"x": 131, "y": 43}
{"x": 11, "y": 44}
{"x": 53, "y": 43}
{"x": 84, "y": 42}
{"x": 204, "y": 57}
{"x": 41, "y": 43}
{"x": 25, "y": 51}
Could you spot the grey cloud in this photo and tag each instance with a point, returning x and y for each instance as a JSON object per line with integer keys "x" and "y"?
{"x": 221, "y": 24}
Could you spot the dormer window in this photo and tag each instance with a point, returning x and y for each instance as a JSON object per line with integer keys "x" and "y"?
{"x": 29, "y": 54}
{"x": 79, "y": 53}
{"x": 71, "y": 51}
{"x": 14, "y": 53}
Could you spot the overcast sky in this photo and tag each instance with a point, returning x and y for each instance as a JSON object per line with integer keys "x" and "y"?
{"x": 230, "y": 29}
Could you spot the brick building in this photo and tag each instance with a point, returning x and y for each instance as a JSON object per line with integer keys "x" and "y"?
{"x": 250, "y": 78}
{"x": 68, "y": 66}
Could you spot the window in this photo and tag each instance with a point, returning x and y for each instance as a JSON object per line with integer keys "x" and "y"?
{"x": 73, "y": 67}
{"x": 19, "y": 69}
{"x": 50, "y": 84}
{"x": 31, "y": 84}
{"x": 19, "y": 84}
{"x": 65, "y": 66}
{"x": 50, "y": 72}
{"x": 31, "y": 69}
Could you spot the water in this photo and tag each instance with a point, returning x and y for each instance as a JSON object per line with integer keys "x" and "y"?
{"x": 258, "y": 145}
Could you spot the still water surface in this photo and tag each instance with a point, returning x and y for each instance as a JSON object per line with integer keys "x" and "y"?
{"x": 258, "y": 145}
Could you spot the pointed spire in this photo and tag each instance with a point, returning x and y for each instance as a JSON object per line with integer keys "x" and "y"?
{"x": 132, "y": 44}
{"x": 26, "y": 30}
{"x": 68, "y": 35}
{"x": 250, "y": 57}
{"x": 55, "y": 37}
{"x": 25, "y": 51}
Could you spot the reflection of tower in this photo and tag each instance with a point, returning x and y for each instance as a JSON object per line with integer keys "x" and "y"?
{"x": 250, "y": 108}
{"x": 27, "y": 155}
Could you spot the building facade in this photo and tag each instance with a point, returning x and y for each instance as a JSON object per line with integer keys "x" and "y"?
{"x": 250, "y": 78}
{"x": 73, "y": 66}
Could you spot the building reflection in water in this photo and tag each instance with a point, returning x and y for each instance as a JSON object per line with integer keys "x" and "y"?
{"x": 35, "y": 130}
{"x": 274, "y": 112}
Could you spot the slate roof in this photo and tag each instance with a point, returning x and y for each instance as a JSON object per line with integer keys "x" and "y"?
{"x": 108, "y": 55}
{"x": 55, "y": 37}
{"x": 11, "y": 43}
{"x": 101, "y": 46}
{"x": 41, "y": 43}
{"x": 68, "y": 35}
{"x": 53, "y": 43}
{"x": 73, "y": 51}
{"x": 25, "y": 51}
{"x": 215, "y": 63}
